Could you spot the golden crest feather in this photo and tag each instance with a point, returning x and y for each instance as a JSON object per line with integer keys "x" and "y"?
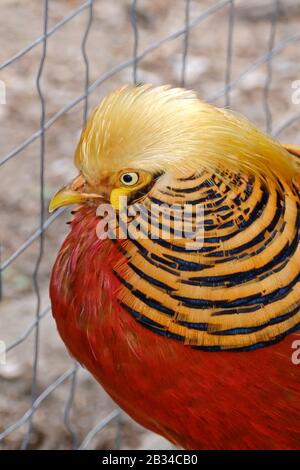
{"x": 156, "y": 128}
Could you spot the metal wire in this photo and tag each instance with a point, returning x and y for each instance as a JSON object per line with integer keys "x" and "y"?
{"x": 268, "y": 83}
{"x": 1, "y": 289}
{"x": 69, "y": 406}
{"x": 185, "y": 42}
{"x": 229, "y": 55}
{"x": 73, "y": 385}
{"x": 288, "y": 123}
{"x": 99, "y": 426}
{"x": 210, "y": 11}
{"x": 37, "y": 402}
{"x": 257, "y": 63}
{"x": 36, "y": 286}
{"x": 50, "y": 31}
{"x": 31, "y": 239}
{"x": 28, "y": 330}
{"x": 26, "y": 421}
{"x": 133, "y": 20}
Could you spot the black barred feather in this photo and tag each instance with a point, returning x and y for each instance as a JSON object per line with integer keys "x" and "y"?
{"x": 236, "y": 289}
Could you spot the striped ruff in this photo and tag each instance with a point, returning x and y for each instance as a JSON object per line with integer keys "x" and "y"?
{"x": 239, "y": 290}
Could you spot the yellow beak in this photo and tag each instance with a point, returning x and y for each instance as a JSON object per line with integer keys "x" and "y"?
{"x": 72, "y": 194}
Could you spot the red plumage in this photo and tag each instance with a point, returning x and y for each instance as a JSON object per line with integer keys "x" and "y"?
{"x": 196, "y": 399}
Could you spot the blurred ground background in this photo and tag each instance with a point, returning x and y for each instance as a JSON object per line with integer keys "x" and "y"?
{"x": 110, "y": 42}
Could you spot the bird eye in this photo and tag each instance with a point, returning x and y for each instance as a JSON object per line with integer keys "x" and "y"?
{"x": 129, "y": 179}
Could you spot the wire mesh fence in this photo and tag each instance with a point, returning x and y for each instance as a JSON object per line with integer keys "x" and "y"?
{"x": 270, "y": 16}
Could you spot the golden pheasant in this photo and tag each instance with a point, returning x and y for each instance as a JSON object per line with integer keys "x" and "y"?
{"x": 193, "y": 337}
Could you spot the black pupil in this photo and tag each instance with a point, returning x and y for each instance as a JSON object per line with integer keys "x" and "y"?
{"x": 127, "y": 178}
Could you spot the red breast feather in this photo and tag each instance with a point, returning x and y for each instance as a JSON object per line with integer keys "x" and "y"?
{"x": 196, "y": 399}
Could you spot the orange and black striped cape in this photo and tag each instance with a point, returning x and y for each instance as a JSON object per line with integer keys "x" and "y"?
{"x": 240, "y": 289}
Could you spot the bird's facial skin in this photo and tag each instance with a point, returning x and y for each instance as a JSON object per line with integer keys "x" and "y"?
{"x": 129, "y": 182}
{"x": 125, "y": 183}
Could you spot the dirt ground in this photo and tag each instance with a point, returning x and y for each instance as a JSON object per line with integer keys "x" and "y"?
{"x": 110, "y": 42}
